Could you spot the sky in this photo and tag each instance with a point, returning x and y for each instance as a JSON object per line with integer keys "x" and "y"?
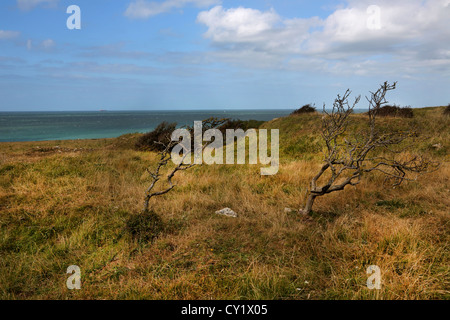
{"x": 220, "y": 54}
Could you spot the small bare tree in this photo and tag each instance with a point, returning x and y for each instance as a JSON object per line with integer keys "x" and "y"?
{"x": 165, "y": 157}
{"x": 349, "y": 157}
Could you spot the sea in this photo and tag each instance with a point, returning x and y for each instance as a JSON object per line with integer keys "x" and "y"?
{"x": 41, "y": 126}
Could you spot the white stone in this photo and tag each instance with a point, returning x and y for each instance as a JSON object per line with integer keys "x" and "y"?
{"x": 227, "y": 212}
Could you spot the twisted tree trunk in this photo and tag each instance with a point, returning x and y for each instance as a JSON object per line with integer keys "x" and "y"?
{"x": 310, "y": 198}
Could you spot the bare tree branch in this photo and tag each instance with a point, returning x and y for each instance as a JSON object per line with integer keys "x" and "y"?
{"x": 166, "y": 157}
{"x": 348, "y": 157}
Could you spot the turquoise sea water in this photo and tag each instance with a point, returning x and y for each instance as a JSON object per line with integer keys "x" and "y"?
{"x": 38, "y": 126}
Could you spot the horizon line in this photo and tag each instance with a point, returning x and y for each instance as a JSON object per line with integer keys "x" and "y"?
{"x": 165, "y": 110}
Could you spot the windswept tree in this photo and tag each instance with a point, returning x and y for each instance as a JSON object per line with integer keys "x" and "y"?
{"x": 350, "y": 154}
{"x": 164, "y": 171}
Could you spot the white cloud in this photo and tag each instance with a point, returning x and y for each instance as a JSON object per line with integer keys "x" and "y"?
{"x": 253, "y": 30}
{"x": 413, "y": 36}
{"x": 240, "y": 24}
{"x": 402, "y": 23}
{"x": 142, "y": 9}
{"x": 46, "y": 45}
{"x": 6, "y": 35}
{"x": 30, "y": 4}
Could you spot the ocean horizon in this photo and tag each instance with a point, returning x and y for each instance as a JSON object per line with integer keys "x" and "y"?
{"x": 17, "y": 126}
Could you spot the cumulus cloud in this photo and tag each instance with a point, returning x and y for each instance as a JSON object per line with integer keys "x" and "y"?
{"x": 254, "y": 30}
{"x": 142, "y": 9}
{"x": 30, "y": 4}
{"x": 240, "y": 24}
{"x": 402, "y": 23}
{"x": 6, "y": 35}
{"x": 411, "y": 35}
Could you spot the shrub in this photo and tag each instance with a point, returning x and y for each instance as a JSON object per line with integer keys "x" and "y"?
{"x": 145, "y": 227}
{"x": 239, "y": 124}
{"x": 162, "y": 133}
{"x": 447, "y": 110}
{"x": 307, "y": 108}
{"x": 406, "y": 112}
{"x": 395, "y": 111}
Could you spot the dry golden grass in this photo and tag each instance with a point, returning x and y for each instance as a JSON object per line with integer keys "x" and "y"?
{"x": 71, "y": 207}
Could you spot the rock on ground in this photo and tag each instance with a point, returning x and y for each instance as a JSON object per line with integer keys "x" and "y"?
{"x": 227, "y": 212}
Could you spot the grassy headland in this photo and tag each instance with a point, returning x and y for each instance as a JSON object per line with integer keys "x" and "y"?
{"x": 68, "y": 203}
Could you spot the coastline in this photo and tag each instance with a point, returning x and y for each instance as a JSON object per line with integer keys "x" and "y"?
{"x": 70, "y": 202}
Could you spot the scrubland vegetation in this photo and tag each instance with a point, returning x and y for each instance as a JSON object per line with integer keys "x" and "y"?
{"x": 307, "y": 108}
{"x": 79, "y": 203}
{"x": 396, "y": 111}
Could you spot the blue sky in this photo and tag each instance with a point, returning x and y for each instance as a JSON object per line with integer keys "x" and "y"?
{"x": 219, "y": 54}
